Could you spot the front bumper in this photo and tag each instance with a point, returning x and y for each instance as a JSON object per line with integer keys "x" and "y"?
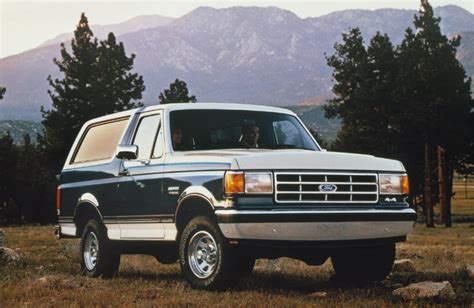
{"x": 316, "y": 225}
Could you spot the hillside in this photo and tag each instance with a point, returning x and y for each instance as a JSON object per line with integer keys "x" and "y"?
{"x": 313, "y": 117}
{"x": 18, "y": 129}
{"x": 466, "y": 52}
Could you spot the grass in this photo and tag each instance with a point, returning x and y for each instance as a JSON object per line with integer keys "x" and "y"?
{"x": 439, "y": 254}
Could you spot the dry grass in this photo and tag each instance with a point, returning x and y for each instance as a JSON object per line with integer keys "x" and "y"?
{"x": 439, "y": 254}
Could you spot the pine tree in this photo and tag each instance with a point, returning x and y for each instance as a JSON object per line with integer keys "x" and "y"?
{"x": 435, "y": 98}
{"x": 8, "y": 157}
{"x": 405, "y": 102}
{"x": 177, "y": 93}
{"x": 118, "y": 86}
{"x": 34, "y": 189}
{"x": 96, "y": 82}
{"x": 364, "y": 81}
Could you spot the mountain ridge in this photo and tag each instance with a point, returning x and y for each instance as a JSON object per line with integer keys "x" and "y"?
{"x": 239, "y": 54}
{"x": 133, "y": 24}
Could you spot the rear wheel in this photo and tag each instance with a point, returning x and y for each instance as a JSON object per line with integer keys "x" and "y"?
{"x": 364, "y": 264}
{"x": 206, "y": 259}
{"x": 98, "y": 256}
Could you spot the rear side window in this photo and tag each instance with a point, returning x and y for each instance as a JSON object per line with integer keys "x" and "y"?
{"x": 100, "y": 141}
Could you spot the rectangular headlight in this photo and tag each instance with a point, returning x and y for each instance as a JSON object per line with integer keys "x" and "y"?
{"x": 258, "y": 182}
{"x": 393, "y": 184}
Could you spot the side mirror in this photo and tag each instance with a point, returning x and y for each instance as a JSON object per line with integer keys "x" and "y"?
{"x": 125, "y": 151}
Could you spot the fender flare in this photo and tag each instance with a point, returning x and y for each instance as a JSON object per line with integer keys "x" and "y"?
{"x": 88, "y": 199}
{"x": 195, "y": 192}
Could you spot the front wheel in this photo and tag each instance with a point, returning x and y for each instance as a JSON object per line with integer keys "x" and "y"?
{"x": 364, "y": 264}
{"x": 206, "y": 259}
{"x": 98, "y": 257}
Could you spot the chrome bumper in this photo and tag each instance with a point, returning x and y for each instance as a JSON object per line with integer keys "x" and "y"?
{"x": 316, "y": 225}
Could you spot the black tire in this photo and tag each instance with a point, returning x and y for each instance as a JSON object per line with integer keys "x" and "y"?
{"x": 222, "y": 269}
{"x": 98, "y": 256}
{"x": 364, "y": 264}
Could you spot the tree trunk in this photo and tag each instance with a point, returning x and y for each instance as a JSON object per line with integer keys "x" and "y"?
{"x": 427, "y": 199}
{"x": 442, "y": 184}
{"x": 449, "y": 172}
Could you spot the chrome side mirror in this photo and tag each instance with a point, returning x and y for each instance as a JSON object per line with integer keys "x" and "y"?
{"x": 125, "y": 151}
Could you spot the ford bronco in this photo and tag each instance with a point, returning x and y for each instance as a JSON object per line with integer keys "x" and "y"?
{"x": 217, "y": 186}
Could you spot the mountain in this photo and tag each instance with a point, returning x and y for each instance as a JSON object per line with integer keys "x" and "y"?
{"x": 258, "y": 55}
{"x": 132, "y": 25}
{"x": 313, "y": 117}
{"x": 466, "y": 52}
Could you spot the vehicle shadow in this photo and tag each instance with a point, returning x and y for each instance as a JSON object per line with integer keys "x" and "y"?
{"x": 263, "y": 281}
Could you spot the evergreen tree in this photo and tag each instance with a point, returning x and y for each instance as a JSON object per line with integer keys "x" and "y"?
{"x": 33, "y": 186}
{"x": 405, "y": 102}
{"x": 177, "y": 93}
{"x": 364, "y": 81}
{"x": 434, "y": 95}
{"x": 2, "y": 92}
{"x": 96, "y": 82}
{"x": 8, "y": 157}
{"x": 117, "y": 86}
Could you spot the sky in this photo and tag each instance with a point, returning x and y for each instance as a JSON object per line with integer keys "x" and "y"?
{"x": 26, "y": 24}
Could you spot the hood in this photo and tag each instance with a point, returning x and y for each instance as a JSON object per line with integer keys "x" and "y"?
{"x": 263, "y": 159}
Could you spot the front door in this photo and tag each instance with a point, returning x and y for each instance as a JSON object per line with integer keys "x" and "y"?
{"x": 140, "y": 183}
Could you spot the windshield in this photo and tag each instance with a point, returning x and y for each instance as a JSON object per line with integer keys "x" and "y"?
{"x": 225, "y": 129}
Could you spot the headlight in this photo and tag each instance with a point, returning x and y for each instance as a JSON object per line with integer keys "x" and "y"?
{"x": 258, "y": 183}
{"x": 393, "y": 184}
{"x": 248, "y": 182}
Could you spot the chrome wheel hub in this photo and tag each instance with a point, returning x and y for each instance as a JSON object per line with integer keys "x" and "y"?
{"x": 91, "y": 251}
{"x": 202, "y": 254}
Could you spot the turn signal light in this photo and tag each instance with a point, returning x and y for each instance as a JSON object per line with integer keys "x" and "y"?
{"x": 234, "y": 182}
{"x": 405, "y": 185}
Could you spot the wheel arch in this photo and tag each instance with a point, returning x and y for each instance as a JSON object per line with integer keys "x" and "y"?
{"x": 84, "y": 211}
{"x": 191, "y": 205}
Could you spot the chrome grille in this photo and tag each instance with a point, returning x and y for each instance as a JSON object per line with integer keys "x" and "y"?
{"x": 309, "y": 187}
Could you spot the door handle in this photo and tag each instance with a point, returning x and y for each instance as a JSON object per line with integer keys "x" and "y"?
{"x": 124, "y": 172}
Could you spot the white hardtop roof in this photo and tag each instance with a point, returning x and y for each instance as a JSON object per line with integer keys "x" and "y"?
{"x": 217, "y": 106}
{"x": 192, "y": 106}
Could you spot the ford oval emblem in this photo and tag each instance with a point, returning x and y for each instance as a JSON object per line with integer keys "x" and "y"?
{"x": 327, "y": 187}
